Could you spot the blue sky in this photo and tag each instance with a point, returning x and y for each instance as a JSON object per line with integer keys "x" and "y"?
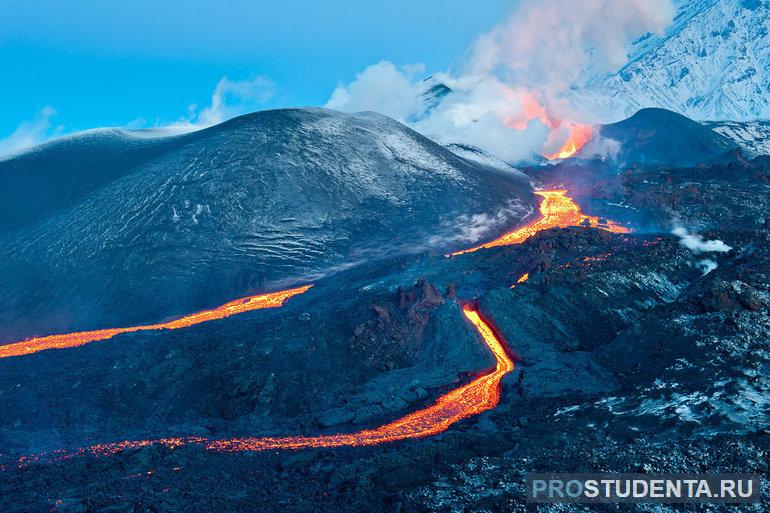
{"x": 82, "y": 64}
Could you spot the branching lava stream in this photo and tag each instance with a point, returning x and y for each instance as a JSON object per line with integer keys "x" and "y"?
{"x": 557, "y": 210}
{"x": 479, "y": 395}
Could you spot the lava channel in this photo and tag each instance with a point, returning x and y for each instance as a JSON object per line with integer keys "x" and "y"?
{"x": 473, "y": 398}
{"x": 557, "y": 210}
{"x": 80, "y": 338}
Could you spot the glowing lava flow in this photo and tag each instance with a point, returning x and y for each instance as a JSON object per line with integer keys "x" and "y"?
{"x": 477, "y": 396}
{"x": 67, "y": 340}
{"x": 481, "y": 394}
{"x": 524, "y": 277}
{"x": 557, "y": 210}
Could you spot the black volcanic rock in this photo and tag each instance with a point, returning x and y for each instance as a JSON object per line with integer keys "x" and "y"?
{"x": 629, "y": 358}
{"x": 659, "y": 136}
{"x": 391, "y": 337}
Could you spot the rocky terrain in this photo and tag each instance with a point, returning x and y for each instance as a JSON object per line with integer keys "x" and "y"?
{"x": 644, "y": 352}
{"x": 659, "y": 136}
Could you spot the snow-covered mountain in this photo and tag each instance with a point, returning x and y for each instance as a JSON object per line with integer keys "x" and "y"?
{"x": 752, "y": 136}
{"x": 713, "y": 63}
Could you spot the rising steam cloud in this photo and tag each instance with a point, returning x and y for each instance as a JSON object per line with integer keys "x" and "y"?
{"x": 506, "y": 96}
{"x": 697, "y": 244}
{"x": 30, "y": 133}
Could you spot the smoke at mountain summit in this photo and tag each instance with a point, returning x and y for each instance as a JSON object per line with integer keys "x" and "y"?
{"x": 506, "y": 95}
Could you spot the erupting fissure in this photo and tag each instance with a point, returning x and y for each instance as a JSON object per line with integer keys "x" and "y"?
{"x": 578, "y": 137}
{"x": 67, "y": 340}
{"x": 479, "y": 395}
{"x": 557, "y": 210}
{"x": 566, "y": 151}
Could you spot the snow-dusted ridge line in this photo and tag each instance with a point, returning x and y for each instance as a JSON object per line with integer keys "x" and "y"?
{"x": 712, "y": 63}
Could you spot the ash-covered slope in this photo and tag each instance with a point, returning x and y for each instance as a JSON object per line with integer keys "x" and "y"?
{"x": 713, "y": 63}
{"x": 110, "y": 227}
{"x": 659, "y": 136}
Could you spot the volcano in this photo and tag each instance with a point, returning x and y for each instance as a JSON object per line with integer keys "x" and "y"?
{"x": 660, "y": 136}
{"x": 112, "y": 227}
{"x": 382, "y": 379}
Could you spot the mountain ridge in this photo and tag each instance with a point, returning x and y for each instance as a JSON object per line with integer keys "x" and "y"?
{"x": 694, "y": 69}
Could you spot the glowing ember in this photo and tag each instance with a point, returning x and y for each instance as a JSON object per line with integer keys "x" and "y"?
{"x": 524, "y": 277}
{"x": 477, "y": 396}
{"x": 557, "y": 210}
{"x": 67, "y": 340}
{"x": 597, "y": 258}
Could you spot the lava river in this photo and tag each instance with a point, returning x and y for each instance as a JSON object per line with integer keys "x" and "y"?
{"x": 67, "y": 340}
{"x": 479, "y": 395}
{"x": 557, "y": 210}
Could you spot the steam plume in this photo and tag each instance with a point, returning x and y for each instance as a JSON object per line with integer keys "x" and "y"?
{"x": 506, "y": 94}
{"x": 697, "y": 244}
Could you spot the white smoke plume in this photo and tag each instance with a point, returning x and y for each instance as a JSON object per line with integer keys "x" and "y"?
{"x": 552, "y": 45}
{"x": 30, "y": 133}
{"x": 232, "y": 98}
{"x": 472, "y": 228}
{"x": 601, "y": 148}
{"x": 697, "y": 244}
{"x": 382, "y": 88}
{"x": 229, "y": 99}
{"x": 506, "y": 93}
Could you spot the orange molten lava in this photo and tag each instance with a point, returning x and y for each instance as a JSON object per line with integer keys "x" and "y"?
{"x": 524, "y": 277}
{"x": 566, "y": 151}
{"x": 66, "y": 340}
{"x": 578, "y": 137}
{"x": 477, "y": 396}
{"x": 557, "y": 210}
{"x": 481, "y": 394}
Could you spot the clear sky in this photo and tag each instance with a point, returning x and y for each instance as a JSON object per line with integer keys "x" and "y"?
{"x": 143, "y": 62}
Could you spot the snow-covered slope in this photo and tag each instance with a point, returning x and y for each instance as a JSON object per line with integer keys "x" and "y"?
{"x": 713, "y": 63}
{"x": 477, "y": 155}
{"x": 752, "y": 136}
{"x": 105, "y": 228}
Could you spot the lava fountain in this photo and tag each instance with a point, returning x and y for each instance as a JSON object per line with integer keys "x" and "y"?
{"x": 557, "y": 210}
{"x": 477, "y": 396}
{"x": 80, "y": 338}
{"x": 579, "y": 135}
